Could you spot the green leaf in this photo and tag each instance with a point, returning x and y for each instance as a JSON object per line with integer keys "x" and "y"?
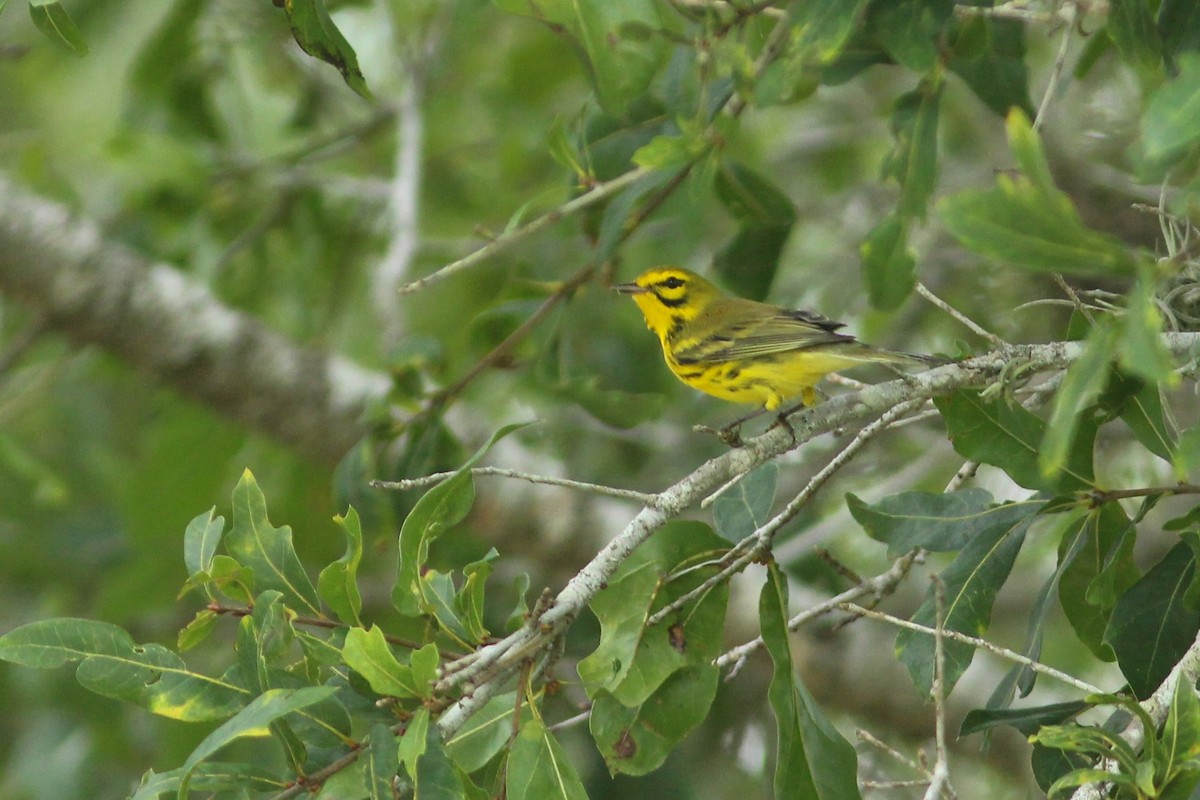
{"x": 888, "y": 264}
{"x": 381, "y": 762}
{"x": 632, "y": 661}
{"x": 637, "y": 739}
{"x": 253, "y": 721}
{"x": 971, "y": 583}
{"x": 749, "y": 261}
{"x": 212, "y": 777}
{"x": 1028, "y": 223}
{"x": 913, "y": 160}
{"x": 938, "y": 522}
{"x": 620, "y": 60}
{"x": 1151, "y": 626}
{"x": 1008, "y": 436}
{"x": 267, "y": 550}
{"x": 1179, "y": 26}
{"x": 751, "y": 197}
{"x": 56, "y": 25}
{"x": 1096, "y": 573}
{"x": 1140, "y": 348}
{"x": 1187, "y": 454}
{"x": 200, "y": 541}
{"x": 1181, "y": 734}
{"x": 470, "y": 598}
{"x": 989, "y": 55}
{"x": 314, "y": 31}
{"x": 441, "y": 507}
{"x": 1170, "y": 125}
{"x": 338, "y": 583}
{"x": 912, "y": 30}
{"x": 113, "y": 665}
{"x": 820, "y": 28}
{"x": 1025, "y": 720}
{"x": 196, "y": 631}
{"x": 1130, "y": 25}
{"x": 368, "y": 653}
{"x": 486, "y": 733}
{"x": 741, "y": 510}
{"x": 435, "y": 777}
{"x": 538, "y": 767}
{"x": 669, "y": 152}
{"x": 1081, "y": 386}
{"x": 1140, "y": 407}
{"x": 813, "y": 761}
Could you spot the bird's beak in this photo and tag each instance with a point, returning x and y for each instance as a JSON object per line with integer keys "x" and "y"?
{"x": 629, "y": 288}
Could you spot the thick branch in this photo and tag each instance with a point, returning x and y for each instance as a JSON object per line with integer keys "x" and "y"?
{"x": 166, "y": 325}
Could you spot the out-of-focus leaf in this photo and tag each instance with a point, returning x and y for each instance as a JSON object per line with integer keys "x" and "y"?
{"x": 1028, "y": 223}
{"x": 1008, "y": 436}
{"x": 1179, "y": 26}
{"x": 823, "y": 26}
{"x": 1187, "y": 454}
{"x": 538, "y": 767}
{"x": 338, "y": 583}
{"x": 1130, "y": 24}
{"x": 267, "y": 550}
{"x": 938, "y": 522}
{"x": 813, "y": 761}
{"x": 971, "y": 583}
{"x": 739, "y": 511}
{"x": 637, "y": 739}
{"x": 621, "y": 59}
{"x": 751, "y": 197}
{"x": 253, "y": 721}
{"x": 913, "y": 160}
{"x": 1170, "y": 125}
{"x": 888, "y": 264}
{"x": 767, "y": 215}
{"x": 1140, "y": 348}
{"x": 632, "y": 661}
{"x": 113, "y": 665}
{"x": 56, "y": 24}
{"x": 318, "y": 36}
{"x": 911, "y": 30}
{"x": 1151, "y": 627}
{"x": 1083, "y": 383}
{"x": 989, "y": 55}
{"x": 1096, "y": 573}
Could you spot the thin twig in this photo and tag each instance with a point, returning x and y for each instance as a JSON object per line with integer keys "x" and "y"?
{"x": 644, "y": 498}
{"x": 759, "y": 542}
{"x": 1067, "y": 12}
{"x": 975, "y": 327}
{"x": 598, "y": 193}
{"x": 876, "y": 587}
{"x": 981, "y": 644}
{"x": 939, "y": 783}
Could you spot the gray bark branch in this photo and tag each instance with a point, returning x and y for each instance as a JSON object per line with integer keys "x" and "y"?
{"x": 166, "y": 325}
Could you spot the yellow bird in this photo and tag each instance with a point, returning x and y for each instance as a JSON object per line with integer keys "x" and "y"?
{"x": 744, "y": 351}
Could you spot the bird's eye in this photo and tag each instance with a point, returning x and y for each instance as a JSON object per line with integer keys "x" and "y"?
{"x": 673, "y": 282}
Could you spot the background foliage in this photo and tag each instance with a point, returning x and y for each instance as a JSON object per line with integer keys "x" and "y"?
{"x": 1030, "y": 163}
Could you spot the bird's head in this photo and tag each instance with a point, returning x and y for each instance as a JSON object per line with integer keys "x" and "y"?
{"x": 669, "y": 295}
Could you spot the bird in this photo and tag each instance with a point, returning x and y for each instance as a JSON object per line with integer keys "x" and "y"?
{"x": 745, "y": 351}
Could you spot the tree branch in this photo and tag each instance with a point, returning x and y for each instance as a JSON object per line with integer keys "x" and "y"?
{"x": 170, "y": 327}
